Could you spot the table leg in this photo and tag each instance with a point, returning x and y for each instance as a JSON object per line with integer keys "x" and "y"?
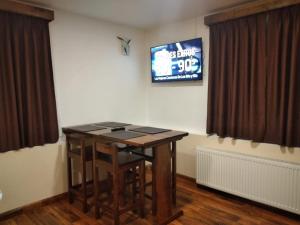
{"x": 164, "y": 185}
{"x": 174, "y": 172}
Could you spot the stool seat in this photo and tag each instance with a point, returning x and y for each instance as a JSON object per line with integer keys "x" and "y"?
{"x": 147, "y": 153}
{"x": 124, "y": 158}
{"x": 77, "y": 136}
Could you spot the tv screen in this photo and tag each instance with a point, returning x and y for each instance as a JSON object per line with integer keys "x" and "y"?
{"x": 180, "y": 61}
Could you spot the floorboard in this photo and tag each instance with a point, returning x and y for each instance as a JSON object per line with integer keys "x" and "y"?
{"x": 200, "y": 206}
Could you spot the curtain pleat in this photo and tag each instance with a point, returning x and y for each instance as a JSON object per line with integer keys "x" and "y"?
{"x": 284, "y": 77}
{"x": 254, "y": 78}
{"x": 237, "y": 78}
{"x": 28, "y": 115}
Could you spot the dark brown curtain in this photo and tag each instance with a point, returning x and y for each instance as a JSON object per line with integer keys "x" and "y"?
{"x": 283, "y": 109}
{"x": 254, "y": 76}
{"x": 28, "y": 114}
{"x": 236, "y": 104}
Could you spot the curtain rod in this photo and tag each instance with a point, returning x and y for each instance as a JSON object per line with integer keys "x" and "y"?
{"x": 26, "y": 9}
{"x": 247, "y": 9}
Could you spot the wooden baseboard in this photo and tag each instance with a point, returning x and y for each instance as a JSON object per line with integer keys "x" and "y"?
{"x": 10, "y": 213}
{"x": 44, "y": 202}
{"x": 184, "y": 177}
{"x": 32, "y": 206}
{"x": 52, "y": 199}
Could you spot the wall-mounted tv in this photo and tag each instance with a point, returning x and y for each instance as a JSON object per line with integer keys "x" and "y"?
{"x": 179, "y": 61}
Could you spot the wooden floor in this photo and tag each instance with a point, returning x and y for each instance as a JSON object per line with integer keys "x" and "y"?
{"x": 200, "y": 206}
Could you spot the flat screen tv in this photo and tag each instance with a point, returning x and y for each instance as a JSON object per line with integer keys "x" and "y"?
{"x": 179, "y": 61}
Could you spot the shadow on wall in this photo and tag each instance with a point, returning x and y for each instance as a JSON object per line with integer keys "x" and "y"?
{"x": 178, "y": 84}
{"x": 287, "y": 150}
{"x": 60, "y": 175}
{"x": 256, "y": 145}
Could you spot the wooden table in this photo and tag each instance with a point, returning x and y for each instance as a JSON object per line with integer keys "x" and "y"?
{"x": 161, "y": 144}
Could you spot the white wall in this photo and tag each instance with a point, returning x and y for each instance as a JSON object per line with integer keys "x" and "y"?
{"x": 180, "y": 105}
{"x": 183, "y": 105}
{"x": 93, "y": 82}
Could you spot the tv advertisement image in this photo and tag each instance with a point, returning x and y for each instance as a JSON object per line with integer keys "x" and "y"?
{"x": 180, "y": 61}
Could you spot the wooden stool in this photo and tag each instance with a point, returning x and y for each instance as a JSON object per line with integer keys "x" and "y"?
{"x": 149, "y": 155}
{"x": 119, "y": 165}
{"x": 78, "y": 148}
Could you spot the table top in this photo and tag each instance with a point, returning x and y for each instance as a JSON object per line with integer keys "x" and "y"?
{"x": 125, "y": 133}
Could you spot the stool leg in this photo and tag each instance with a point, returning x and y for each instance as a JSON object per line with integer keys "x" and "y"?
{"x": 110, "y": 186}
{"x": 134, "y": 188}
{"x": 96, "y": 187}
{"x": 122, "y": 186}
{"x": 92, "y": 171}
{"x": 70, "y": 195}
{"x": 116, "y": 213}
{"x": 153, "y": 188}
{"x": 69, "y": 171}
{"x": 142, "y": 188}
{"x": 174, "y": 172}
{"x": 83, "y": 182}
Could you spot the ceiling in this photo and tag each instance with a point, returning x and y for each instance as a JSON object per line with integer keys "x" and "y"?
{"x": 139, "y": 13}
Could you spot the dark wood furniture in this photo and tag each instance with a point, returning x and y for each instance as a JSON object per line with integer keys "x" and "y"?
{"x": 161, "y": 144}
{"x": 149, "y": 156}
{"x": 78, "y": 148}
{"x": 122, "y": 167}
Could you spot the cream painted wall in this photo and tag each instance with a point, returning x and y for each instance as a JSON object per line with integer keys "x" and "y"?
{"x": 93, "y": 82}
{"x": 180, "y": 105}
{"x": 187, "y": 151}
{"x": 183, "y": 105}
{"x": 29, "y": 175}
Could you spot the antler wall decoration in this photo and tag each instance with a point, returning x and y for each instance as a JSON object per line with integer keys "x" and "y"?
{"x": 125, "y": 45}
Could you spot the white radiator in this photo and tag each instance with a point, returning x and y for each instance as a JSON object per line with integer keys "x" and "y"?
{"x": 271, "y": 182}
